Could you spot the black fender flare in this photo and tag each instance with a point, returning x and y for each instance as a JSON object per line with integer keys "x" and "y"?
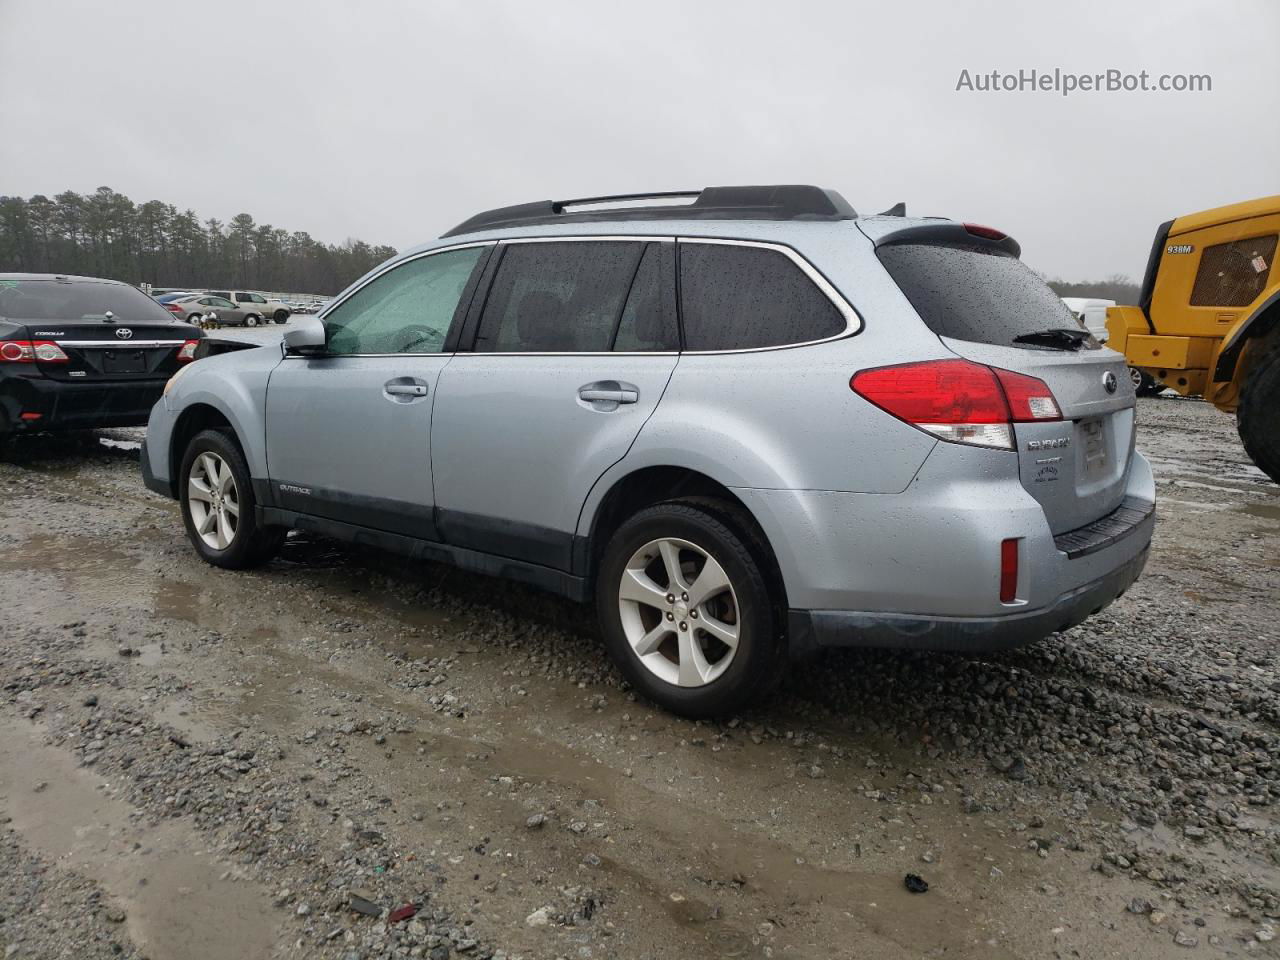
{"x": 1229, "y": 354}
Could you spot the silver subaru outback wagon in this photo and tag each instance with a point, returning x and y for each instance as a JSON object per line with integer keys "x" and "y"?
{"x": 745, "y": 422}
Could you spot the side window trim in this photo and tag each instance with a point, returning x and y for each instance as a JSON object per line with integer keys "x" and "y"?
{"x": 852, "y": 319}
{"x": 455, "y": 328}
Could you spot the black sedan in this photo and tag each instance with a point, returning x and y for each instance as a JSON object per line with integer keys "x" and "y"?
{"x": 76, "y": 352}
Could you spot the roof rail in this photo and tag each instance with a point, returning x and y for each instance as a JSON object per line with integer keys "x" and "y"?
{"x": 778, "y": 202}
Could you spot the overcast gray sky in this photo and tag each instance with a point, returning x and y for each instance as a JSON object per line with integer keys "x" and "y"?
{"x": 391, "y": 121}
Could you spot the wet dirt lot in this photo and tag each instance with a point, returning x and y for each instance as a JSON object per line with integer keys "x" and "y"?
{"x": 197, "y": 763}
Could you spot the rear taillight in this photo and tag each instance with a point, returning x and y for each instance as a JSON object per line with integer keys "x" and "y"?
{"x": 957, "y": 400}
{"x": 187, "y": 352}
{"x": 173, "y": 308}
{"x": 31, "y": 351}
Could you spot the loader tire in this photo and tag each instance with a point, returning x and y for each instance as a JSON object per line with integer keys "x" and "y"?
{"x": 1258, "y": 416}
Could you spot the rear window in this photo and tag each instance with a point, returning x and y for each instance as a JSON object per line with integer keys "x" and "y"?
{"x": 740, "y": 297}
{"x": 974, "y": 293}
{"x": 72, "y": 300}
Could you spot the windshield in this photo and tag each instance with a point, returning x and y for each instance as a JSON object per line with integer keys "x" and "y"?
{"x": 974, "y": 293}
{"x": 64, "y": 300}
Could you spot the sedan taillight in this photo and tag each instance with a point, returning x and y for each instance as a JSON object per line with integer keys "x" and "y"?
{"x": 187, "y": 352}
{"x": 31, "y": 351}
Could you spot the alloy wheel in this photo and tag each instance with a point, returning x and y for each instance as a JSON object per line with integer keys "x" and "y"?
{"x": 213, "y": 500}
{"x": 679, "y": 612}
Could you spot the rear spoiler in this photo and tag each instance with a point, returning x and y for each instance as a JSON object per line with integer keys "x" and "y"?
{"x": 952, "y": 234}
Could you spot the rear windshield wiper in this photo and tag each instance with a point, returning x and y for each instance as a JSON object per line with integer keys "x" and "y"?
{"x": 1065, "y": 337}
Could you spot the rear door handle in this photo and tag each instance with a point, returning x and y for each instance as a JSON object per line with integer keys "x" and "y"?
{"x": 407, "y": 389}
{"x": 609, "y": 391}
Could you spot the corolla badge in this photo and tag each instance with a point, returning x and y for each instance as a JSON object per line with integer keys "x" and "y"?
{"x": 1109, "y": 382}
{"x": 123, "y": 333}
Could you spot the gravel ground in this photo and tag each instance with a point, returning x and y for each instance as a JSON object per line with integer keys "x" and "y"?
{"x": 344, "y": 755}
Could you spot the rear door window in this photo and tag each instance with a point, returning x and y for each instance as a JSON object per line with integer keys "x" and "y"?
{"x": 649, "y": 318}
{"x": 974, "y": 293}
{"x": 558, "y": 297}
{"x": 737, "y": 297}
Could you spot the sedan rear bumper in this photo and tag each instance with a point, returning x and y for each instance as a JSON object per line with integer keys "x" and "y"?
{"x": 57, "y": 404}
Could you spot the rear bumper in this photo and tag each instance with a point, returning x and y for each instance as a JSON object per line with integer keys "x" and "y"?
{"x": 922, "y": 567}
{"x": 64, "y": 405}
{"x": 811, "y": 629}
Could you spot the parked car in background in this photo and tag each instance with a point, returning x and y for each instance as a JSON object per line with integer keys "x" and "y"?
{"x": 78, "y": 352}
{"x": 678, "y": 413}
{"x": 207, "y": 310}
{"x": 264, "y": 307}
{"x": 1091, "y": 313}
{"x": 170, "y": 297}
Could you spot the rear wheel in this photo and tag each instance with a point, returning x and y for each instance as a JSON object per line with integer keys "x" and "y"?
{"x": 1258, "y": 416}
{"x": 218, "y": 505}
{"x": 686, "y": 610}
{"x": 281, "y": 316}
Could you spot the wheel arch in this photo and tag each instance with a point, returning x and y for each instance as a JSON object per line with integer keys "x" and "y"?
{"x": 205, "y": 412}
{"x": 616, "y": 498}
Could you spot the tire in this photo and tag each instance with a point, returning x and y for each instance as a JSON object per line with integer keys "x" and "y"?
{"x": 251, "y": 320}
{"x": 1144, "y": 385}
{"x": 1258, "y": 415}
{"x": 282, "y": 316}
{"x": 686, "y": 668}
{"x": 248, "y": 545}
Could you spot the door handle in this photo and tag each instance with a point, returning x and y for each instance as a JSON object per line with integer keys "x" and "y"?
{"x": 406, "y": 389}
{"x": 610, "y": 391}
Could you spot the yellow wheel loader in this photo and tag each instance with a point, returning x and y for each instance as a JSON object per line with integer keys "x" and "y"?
{"x": 1208, "y": 321}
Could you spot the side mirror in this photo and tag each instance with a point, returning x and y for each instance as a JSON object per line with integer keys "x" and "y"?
{"x": 307, "y": 337}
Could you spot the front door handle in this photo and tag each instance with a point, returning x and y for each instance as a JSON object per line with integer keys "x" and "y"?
{"x": 404, "y": 389}
{"x": 609, "y": 391}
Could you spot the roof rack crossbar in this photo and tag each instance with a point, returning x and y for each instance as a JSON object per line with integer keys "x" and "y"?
{"x": 776, "y": 202}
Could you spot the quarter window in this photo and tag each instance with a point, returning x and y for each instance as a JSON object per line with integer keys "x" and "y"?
{"x": 558, "y": 297}
{"x": 741, "y": 297}
{"x": 408, "y": 309}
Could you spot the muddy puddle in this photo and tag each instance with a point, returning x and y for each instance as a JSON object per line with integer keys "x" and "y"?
{"x": 179, "y": 901}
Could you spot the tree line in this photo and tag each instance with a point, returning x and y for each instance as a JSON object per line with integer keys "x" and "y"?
{"x": 105, "y": 234}
{"x": 1116, "y": 287}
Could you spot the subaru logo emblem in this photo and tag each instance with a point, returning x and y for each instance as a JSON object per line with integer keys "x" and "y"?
{"x": 1109, "y": 381}
{"x": 124, "y": 333}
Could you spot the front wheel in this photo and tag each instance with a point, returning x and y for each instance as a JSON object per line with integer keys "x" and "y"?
{"x": 686, "y": 611}
{"x": 1258, "y": 416}
{"x": 251, "y": 320}
{"x": 218, "y": 505}
{"x": 281, "y": 316}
